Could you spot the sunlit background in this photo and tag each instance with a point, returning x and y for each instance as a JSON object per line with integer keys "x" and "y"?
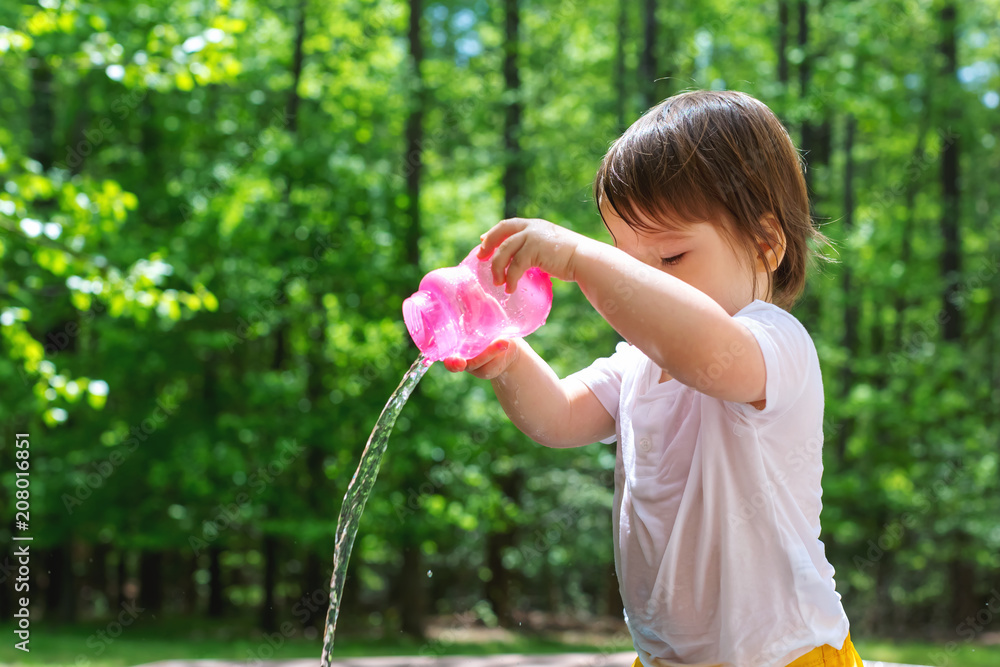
{"x": 210, "y": 213}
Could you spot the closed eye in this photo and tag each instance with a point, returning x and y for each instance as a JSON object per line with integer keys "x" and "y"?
{"x": 670, "y": 261}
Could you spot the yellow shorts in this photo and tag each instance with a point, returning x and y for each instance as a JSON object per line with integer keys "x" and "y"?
{"x": 821, "y": 656}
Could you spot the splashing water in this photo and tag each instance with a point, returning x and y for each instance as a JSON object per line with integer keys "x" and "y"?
{"x": 357, "y": 495}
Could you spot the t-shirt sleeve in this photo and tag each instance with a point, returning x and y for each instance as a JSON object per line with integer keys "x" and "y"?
{"x": 789, "y": 360}
{"x": 604, "y": 379}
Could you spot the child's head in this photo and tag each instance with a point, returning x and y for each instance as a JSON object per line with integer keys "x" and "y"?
{"x": 718, "y": 157}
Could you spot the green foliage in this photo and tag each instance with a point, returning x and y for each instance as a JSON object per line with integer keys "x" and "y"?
{"x": 202, "y": 263}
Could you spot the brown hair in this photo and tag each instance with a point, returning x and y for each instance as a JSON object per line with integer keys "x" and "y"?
{"x": 704, "y": 155}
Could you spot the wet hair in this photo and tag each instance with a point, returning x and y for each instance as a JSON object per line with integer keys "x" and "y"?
{"x": 720, "y": 157}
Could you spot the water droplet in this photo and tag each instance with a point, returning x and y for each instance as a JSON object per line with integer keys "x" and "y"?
{"x": 429, "y": 574}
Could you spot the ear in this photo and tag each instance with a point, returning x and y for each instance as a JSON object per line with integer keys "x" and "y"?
{"x": 772, "y": 248}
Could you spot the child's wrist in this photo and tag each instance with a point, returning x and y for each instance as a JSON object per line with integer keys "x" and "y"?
{"x": 512, "y": 354}
{"x": 585, "y": 253}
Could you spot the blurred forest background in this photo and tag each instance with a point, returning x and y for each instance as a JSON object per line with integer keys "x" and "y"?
{"x": 211, "y": 210}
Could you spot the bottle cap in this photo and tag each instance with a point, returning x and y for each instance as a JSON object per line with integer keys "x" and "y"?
{"x": 430, "y": 325}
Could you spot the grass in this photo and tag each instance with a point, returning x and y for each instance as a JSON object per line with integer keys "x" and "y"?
{"x": 149, "y": 640}
{"x": 924, "y": 653}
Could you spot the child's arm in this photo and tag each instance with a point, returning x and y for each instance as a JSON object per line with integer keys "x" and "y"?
{"x": 550, "y": 411}
{"x": 679, "y": 327}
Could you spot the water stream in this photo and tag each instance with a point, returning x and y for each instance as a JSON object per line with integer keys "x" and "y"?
{"x": 357, "y": 495}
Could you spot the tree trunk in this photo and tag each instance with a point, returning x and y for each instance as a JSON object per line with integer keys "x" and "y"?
{"x": 55, "y": 586}
{"x": 411, "y": 581}
{"x": 268, "y": 614}
{"x": 962, "y": 580}
{"x": 513, "y": 175}
{"x": 210, "y": 407}
{"x": 291, "y": 119}
{"x": 188, "y": 564}
{"x": 622, "y": 37}
{"x": 883, "y": 594}
{"x": 410, "y": 587}
{"x": 961, "y": 569}
{"x": 783, "y": 43}
{"x": 151, "y": 581}
{"x": 8, "y": 562}
{"x": 992, "y": 325}
{"x": 499, "y": 588}
{"x": 805, "y": 73}
{"x": 292, "y": 105}
{"x": 553, "y": 588}
{"x": 951, "y": 264}
{"x": 42, "y": 119}
{"x": 815, "y": 140}
{"x": 850, "y": 340}
{"x": 809, "y": 145}
{"x": 151, "y": 140}
{"x": 913, "y": 187}
{"x": 615, "y": 606}
{"x": 121, "y": 579}
{"x": 901, "y": 303}
{"x": 318, "y": 493}
{"x": 350, "y": 599}
{"x": 216, "y": 601}
{"x": 314, "y": 577}
{"x": 415, "y": 136}
{"x": 97, "y": 572}
{"x": 76, "y": 141}
{"x": 60, "y": 595}
{"x": 647, "y": 59}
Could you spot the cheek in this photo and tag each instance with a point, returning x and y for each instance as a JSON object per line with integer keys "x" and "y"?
{"x": 708, "y": 278}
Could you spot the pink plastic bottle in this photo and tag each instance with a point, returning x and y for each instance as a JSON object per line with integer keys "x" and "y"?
{"x": 458, "y": 311}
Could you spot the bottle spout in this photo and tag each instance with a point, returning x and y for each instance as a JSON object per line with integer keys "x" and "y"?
{"x": 416, "y": 310}
{"x": 432, "y": 324}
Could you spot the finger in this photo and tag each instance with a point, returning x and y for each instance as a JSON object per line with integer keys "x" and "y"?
{"x": 498, "y": 233}
{"x": 491, "y": 370}
{"x": 454, "y": 364}
{"x": 504, "y": 254}
{"x": 477, "y": 362}
{"x": 520, "y": 263}
{"x": 482, "y": 254}
{"x": 495, "y": 366}
{"x": 486, "y": 356}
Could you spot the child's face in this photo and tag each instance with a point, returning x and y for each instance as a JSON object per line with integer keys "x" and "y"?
{"x": 700, "y": 255}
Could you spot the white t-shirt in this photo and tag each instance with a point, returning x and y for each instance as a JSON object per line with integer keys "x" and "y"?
{"x": 717, "y": 504}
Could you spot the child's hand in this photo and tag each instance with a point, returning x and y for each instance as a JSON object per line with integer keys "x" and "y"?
{"x": 518, "y": 244}
{"x": 490, "y": 363}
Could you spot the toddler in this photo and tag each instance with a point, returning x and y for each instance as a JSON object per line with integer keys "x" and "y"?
{"x": 715, "y": 399}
